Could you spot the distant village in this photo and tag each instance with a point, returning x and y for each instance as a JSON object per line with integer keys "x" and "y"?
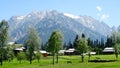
{"x": 71, "y": 51}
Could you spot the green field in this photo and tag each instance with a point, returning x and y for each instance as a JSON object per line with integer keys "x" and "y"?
{"x": 76, "y": 63}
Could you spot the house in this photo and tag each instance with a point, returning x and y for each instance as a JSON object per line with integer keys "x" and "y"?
{"x": 91, "y": 53}
{"x": 11, "y": 43}
{"x": 61, "y": 52}
{"x": 71, "y": 51}
{"x": 18, "y": 49}
{"x": 44, "y": 53}
{"x": 108, "y": 50}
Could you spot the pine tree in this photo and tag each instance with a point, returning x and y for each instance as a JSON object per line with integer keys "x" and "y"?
{"x": 70, "y": 45}
{"x": 75, "y": 42}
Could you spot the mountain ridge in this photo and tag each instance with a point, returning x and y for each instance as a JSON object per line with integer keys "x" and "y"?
{"x": 48, "y": 21}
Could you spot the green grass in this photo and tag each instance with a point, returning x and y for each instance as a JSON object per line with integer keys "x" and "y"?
{"x": 47, "y": 63}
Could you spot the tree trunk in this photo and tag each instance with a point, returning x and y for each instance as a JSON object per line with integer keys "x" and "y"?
{"x": 1, "y": 59}
{"x": 89, "y": 56}
{"x": 1, "y": 62}
{"x": 30, "y": 61}
{"x": 30, "y": 58}
{"x": 57, "y": 58}
{"x": 38, "y": 60}
{"x": 82, "y": 57}
{"x": 116, "y": 55}
{"x": 20, "y": 61}
{"x": 53, "y": 58}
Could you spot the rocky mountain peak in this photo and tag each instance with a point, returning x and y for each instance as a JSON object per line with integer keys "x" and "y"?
{"x": 48, "y": 21}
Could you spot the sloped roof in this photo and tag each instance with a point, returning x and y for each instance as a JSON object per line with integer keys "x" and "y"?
{"x": 109, "y": 49}
{"x": 62, "y": 51}
{"x": 43, "y": 51}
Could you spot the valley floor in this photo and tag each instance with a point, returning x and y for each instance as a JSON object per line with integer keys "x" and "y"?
{"x": 76, "y": 62}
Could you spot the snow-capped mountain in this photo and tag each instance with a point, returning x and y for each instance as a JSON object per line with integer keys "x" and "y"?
{"x": 91, "y": 23}
{"x": 48, "y": 21}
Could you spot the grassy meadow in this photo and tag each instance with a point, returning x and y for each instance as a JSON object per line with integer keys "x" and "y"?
{"x": 76, "y": 62}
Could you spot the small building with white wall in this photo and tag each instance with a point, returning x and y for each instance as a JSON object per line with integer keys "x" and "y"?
{"x": 71, "y": 51}
{"x": 44, "y": 53}
{"x": 108, "y": 50}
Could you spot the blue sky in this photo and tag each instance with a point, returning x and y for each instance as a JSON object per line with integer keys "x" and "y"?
{"x": 103, "y": 10}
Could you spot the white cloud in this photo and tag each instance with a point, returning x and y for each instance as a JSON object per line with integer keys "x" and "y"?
{"x": 104, "y": 16}
{"x": 99, "y": 8}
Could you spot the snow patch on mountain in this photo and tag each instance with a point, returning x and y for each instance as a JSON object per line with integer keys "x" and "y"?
{"x": 47, "y": 21}
{"x": 71, "y": 16}
{"x": 20, "y": 17}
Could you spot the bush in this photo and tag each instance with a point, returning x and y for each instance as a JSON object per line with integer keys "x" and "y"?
{"x": 10, "y": 56}
{"x": 38, "y": 56}
{"x": 21, "y": 56}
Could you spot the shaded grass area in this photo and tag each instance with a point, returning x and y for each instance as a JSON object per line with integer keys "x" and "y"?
{"x": 47, "y": 63}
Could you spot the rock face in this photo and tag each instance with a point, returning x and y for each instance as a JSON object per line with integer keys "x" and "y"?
{"x": 48, "y": 21}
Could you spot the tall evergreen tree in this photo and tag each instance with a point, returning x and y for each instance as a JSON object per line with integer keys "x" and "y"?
{"x": 97, "y": 47}
{"x": 102, "y": 44}
{"x": 75, "y": 42}
{"x": 109, "y": 42}
{"x": 90, "y": 42}
{"x": 43, "y": 46}
{"x": 70, "y": 45}
{"x": 83, "y": 35}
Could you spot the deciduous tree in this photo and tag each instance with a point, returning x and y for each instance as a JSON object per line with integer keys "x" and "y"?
{"x": 82, "y": 47}
{"x": 32, "y": 42}
{"x": 55, "y": 43}
{"x": 3, "y": 38}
